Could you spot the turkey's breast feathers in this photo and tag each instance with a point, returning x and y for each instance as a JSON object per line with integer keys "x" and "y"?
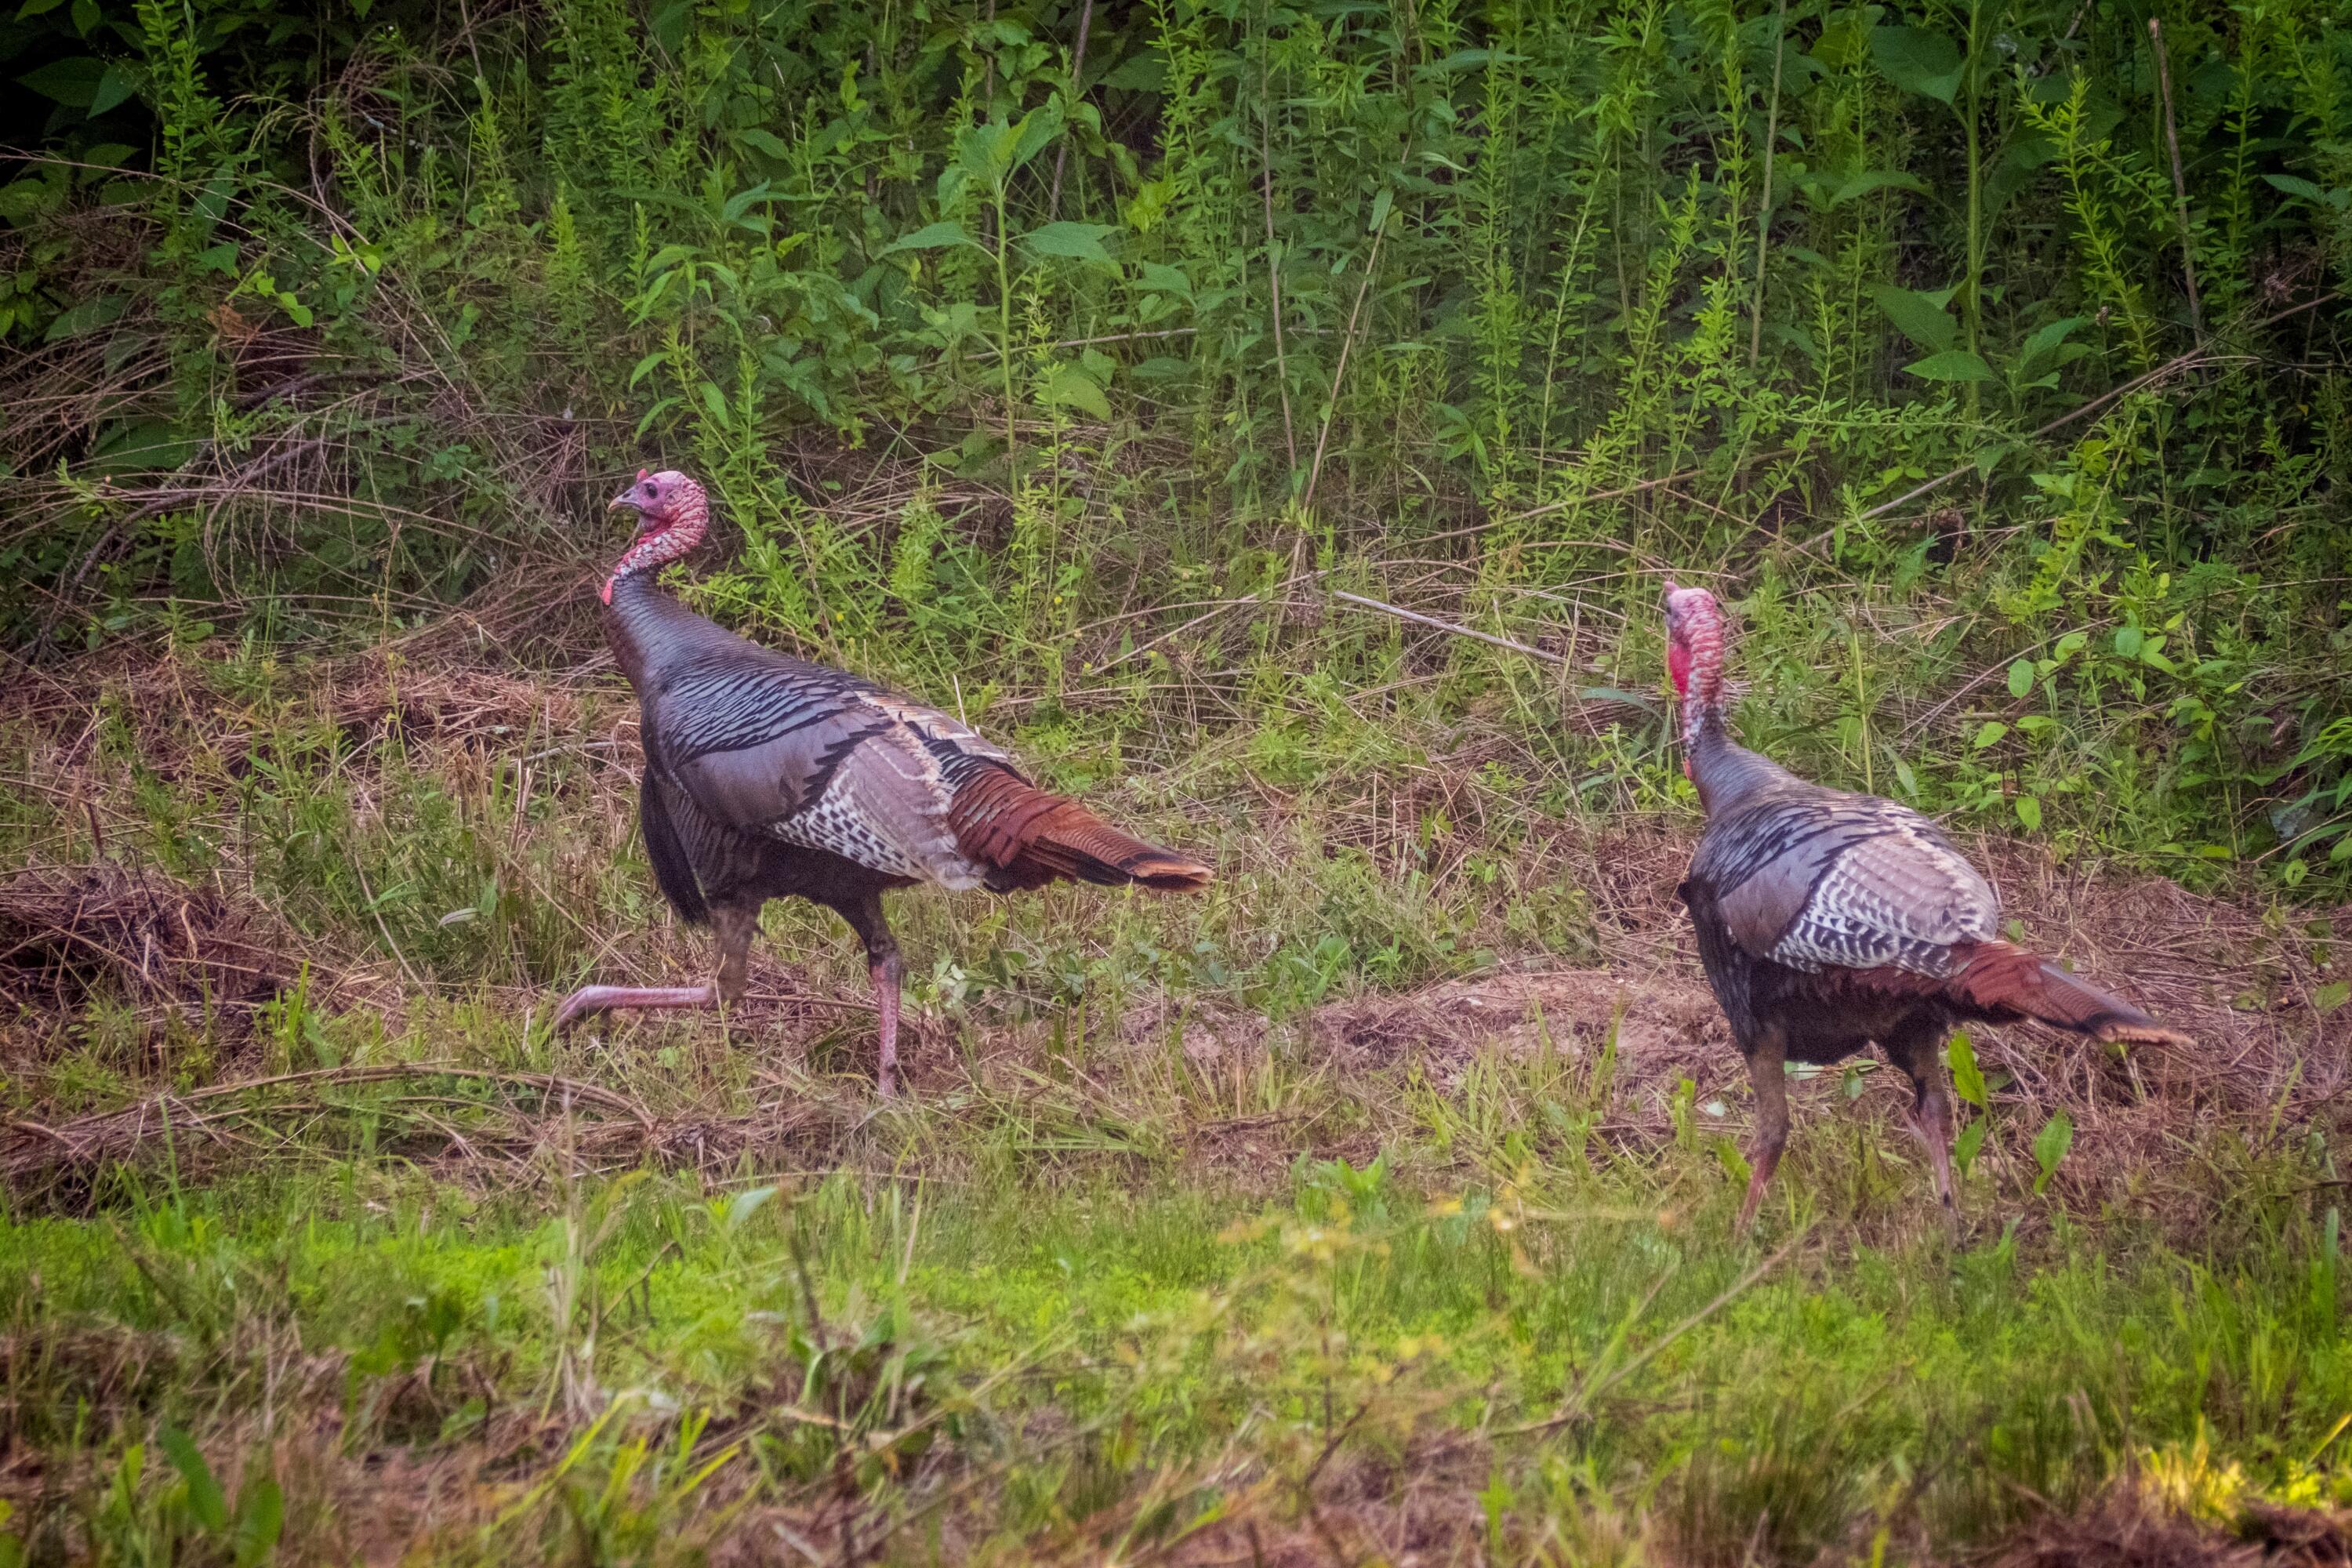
{"x": 1819, "y": 879}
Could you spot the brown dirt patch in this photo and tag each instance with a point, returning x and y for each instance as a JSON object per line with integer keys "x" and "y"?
{"x": 1659, "y": 1025}
{"x": 2127, "y": 1528}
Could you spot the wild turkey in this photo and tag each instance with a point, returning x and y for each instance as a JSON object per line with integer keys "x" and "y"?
{"x": 768, "y": 777}
{"x": 1827, "y": 920}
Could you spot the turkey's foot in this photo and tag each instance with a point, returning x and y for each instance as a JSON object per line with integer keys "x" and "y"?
{"x": 591, "y": 1001}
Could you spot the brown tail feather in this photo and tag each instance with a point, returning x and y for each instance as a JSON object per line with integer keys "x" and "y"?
{"x": 1031, "y": 838}
{"x": 2007, "y": 982}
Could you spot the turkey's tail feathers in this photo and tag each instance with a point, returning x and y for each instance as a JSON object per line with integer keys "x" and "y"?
{"x": 1029, "y": 838}
{"x": 2006, "y": 982}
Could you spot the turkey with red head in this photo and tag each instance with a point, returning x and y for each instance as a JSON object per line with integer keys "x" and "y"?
{"x": 768, "y": 777}
{"x": 1827, "y": 920}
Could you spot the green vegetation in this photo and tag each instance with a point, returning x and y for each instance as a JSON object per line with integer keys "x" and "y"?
{"x": 1112, "y": 373}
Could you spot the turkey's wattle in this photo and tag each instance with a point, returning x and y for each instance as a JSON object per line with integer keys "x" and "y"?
{"x": 768, "y": 777}
{"x": 1827, "y": 920}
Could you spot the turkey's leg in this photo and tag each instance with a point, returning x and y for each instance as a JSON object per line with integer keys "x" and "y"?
{"x": 1768, "y": 1070}
{"x": 865, "y": 917}
{"x": 733, "y": 926}
{"x": 1913, "y": 1048}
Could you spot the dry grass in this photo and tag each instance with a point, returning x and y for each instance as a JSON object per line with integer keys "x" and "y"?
{"x": 65, "y": 930}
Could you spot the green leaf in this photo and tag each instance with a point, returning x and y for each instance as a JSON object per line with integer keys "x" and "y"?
{"x": 2021, "y": 677}
{"x": 932, "y": 237}
{"x": 2050, "y": 1146}
{"x": 72, "y": 81}
{"x": 1965, "y": 1147}
{"x": 205, "y": 1499}
{"x": 765, "y": 141}
{"x": 2029, "y": 811}
{"x": 1166, "y": 278}
{"x": 1861, "y": 182}
{"x": 1079, "y": 241}
{"x": 2334, "y": 993}
{"x": 88, "y": 316}
{"x": 1735, "y": 1164}
{"x": 1951, "y": 364}
{"x": 1036, "y": 132}
{"x": 742, "y": 202}
{"x": 2130, "y": 640}
{"x": 1069, "y": 387}
{"x": 119, "y": 82}
{"x": 1381, "y": 205}
{"x": 2046, "y": 339}
{"x": 1989, "y": 731}
{"x": 1968, "y": 1079}
{"x": 260, "y": 1516}
{"x": 1918, "y": 60}
{"x": 2338, "y": 197}
{"x": 745, "y": 1205}
{"x": 38, "y": 8}
{"x": 1921, "y": 316}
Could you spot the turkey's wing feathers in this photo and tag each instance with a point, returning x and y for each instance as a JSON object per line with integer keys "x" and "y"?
{"x": 1900, "y": 899}
{"x": 673, "y": 866}
{"x": 1817, "y": 878}
{"x": 885, "y": 805}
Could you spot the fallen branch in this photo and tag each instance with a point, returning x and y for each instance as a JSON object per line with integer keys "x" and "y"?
{"x": 1432, "y": 621}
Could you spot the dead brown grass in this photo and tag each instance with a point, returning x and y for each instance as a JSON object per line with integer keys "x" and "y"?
{"x": 67, "y": 929}
{"x": 2128, "y": 1528}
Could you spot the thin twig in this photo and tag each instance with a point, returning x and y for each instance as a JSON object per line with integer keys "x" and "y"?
{"x": 1432, "y": 621}
{"x": 1274, "y": 264}
{"x": 1764, "y": 205}
{"x": 1347, "y": 342}
{"x": 2179, "y": 182}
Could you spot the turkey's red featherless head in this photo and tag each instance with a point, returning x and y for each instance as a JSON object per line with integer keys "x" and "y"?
{"x": 673, "y": 514}
{"x": 1694, "y": 642}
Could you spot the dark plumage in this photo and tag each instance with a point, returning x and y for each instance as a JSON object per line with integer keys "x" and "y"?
{"x": 770, "y": 777}
{"x": 1827, "y": 920}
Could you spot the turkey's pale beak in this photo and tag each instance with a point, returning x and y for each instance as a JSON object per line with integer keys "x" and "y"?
{"x": 626, "y": 498}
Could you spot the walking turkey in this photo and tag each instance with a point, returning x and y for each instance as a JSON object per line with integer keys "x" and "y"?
{"x": 768, "y": 777}
{"x": 1827, "y": 920}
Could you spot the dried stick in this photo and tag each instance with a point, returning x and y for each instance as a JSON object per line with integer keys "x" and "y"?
{"x": 1459, "y": 631}
{"x": 2169, "y": 368}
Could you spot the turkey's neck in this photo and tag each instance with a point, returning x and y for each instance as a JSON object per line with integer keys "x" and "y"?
{"x": 1725, "y": 771}
{"x": 643, "y": 623}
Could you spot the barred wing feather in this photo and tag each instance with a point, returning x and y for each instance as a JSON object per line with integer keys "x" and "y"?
{"x": 1832, "y": 881}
